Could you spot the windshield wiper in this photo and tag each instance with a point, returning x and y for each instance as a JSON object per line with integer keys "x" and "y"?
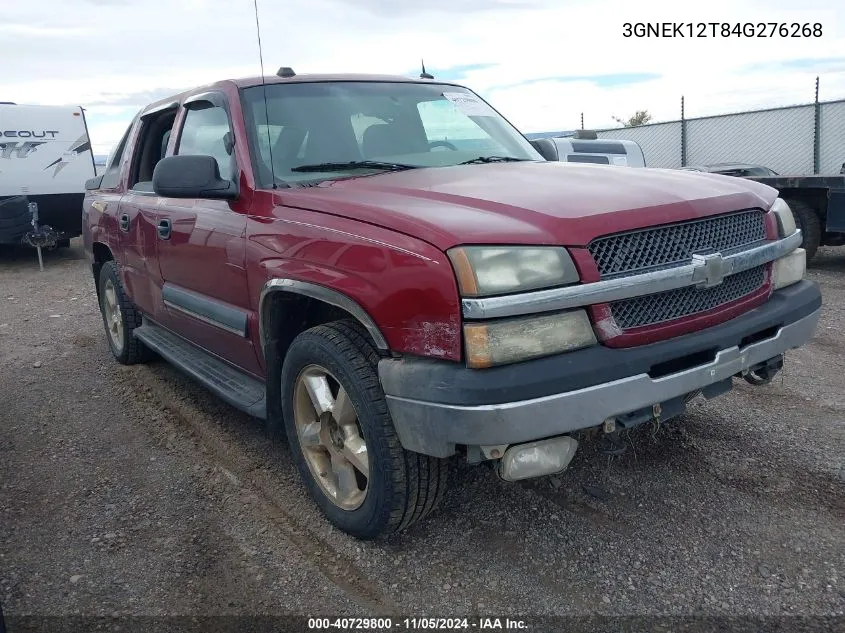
{"x": 354, "y": 164}
{"x": 493, "y": 159}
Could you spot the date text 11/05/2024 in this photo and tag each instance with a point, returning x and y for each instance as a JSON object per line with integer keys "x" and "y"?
{"x": 414, "y": 624}
{"x": 722, "y": 29}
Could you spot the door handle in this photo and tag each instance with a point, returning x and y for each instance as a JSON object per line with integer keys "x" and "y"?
{"x": 164, "y": 229}
{"x": 124, "y": 223}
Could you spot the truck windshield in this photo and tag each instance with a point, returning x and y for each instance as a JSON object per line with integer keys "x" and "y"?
{"x": 353, "y": 126}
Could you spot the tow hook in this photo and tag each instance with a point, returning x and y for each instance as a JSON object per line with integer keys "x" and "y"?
{"x": 612, "y": 443}
{"x": 762, "y": 373}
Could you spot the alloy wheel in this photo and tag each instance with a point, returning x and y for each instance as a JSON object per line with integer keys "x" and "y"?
{"x": 330, "y": 437}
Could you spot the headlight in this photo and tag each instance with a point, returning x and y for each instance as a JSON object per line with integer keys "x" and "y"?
{"x": 786, "y": 221}
{"x": 513, "y": 340}
{"x": 493, "y": 270}
{"x": 789, "y": 269}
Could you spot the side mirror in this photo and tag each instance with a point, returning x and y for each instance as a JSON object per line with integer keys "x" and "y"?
{"x": 189, "y": 176}
{"x": 547, "y": 148}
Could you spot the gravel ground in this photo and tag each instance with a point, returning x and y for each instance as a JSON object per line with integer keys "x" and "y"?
{"x": 134, "y": 491}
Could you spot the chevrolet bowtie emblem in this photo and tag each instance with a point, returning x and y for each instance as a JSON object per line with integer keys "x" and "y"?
{"x": 709, "y": 271}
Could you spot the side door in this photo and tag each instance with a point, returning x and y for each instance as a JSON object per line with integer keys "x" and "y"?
{"x": 136, "y": 216}
{"x": 101, "y": 215}
{"x": 201, "y": 244}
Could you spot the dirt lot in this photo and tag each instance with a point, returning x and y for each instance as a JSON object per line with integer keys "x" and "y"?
{"x": 133, "y": 491}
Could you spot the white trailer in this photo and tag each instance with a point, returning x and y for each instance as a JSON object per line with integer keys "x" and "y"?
{"x": 45, "y": 158}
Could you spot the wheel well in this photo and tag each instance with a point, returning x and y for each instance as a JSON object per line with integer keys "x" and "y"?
{"x": 815, "y": 198}
{"x": 285, "y": 315}
{"x": 102, "y": 254}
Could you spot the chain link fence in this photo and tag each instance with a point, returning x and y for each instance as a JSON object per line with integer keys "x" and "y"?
{"x": 779, "y": 139}
{"x": 795, "y": 140}
{"x": 832, "y": 137}
{"x": 661, "y": 142}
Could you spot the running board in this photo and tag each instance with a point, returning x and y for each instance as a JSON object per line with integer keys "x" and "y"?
{"x": 233, "y": 386}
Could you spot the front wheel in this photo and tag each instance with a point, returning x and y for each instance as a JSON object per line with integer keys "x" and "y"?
{"x": 342, "y": 437}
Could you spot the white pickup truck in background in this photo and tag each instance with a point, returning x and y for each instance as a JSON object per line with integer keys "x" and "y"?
{"x": 45, "y": 157}
{"x": 584, "y": 146}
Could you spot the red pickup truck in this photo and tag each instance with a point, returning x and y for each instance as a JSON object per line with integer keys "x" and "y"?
{"x": 388, "y": 270}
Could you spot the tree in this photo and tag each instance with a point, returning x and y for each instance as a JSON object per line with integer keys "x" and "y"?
{"x": 641, "y": 117}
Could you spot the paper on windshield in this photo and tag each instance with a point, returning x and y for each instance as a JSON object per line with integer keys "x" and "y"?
{"x": 469, "y": 104}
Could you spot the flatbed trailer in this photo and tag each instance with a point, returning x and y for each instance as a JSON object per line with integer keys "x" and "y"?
{"x": 818, "y": 204}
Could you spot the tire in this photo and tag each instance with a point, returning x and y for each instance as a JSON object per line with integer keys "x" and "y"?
{"x": 810, "y": 224}
{"x": 120, "y": 325}
{"x": 402, "y": 487}
{"x": 15, "y": 218}
{"x": 17, "y": 223}
{"x": 13, "y": 228}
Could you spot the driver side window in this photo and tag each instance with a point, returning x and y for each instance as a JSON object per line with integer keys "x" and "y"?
{"x": 150, "y": 148}
{"x": 206, "y": 132}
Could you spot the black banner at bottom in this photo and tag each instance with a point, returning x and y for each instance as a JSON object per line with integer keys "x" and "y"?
{"x": 377, "y": 624}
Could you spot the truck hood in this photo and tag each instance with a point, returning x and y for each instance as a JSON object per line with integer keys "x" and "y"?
{"x": 528, "y": 203}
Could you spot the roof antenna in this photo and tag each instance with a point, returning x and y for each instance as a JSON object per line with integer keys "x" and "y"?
{"x": 264, "y": 89}
{"x": 423, "y": 74}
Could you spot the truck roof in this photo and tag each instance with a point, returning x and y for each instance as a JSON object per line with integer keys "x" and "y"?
{"x": 249, "y": 82}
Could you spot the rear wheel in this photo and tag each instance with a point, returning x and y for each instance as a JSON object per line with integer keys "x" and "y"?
{"x": 120, "y": 318}
{"x": 342, "y": 438}
{"x": 810, "y": 224}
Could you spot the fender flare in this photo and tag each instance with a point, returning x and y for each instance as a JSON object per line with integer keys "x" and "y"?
{"x": 321, "y": 293}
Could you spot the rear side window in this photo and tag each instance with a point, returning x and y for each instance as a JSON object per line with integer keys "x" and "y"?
{"x": 759, "y": 172}
{"x": 206, "y": 132}
{"x": 598, "y": 147}
{"x": 585, "y": 158}
{"x": 111, "y": 177}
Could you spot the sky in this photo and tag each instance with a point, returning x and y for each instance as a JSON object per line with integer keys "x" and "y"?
{"x": 541, "y": 63}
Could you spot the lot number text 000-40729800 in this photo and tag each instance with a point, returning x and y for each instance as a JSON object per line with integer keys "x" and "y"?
{"x": 721, "y": 29}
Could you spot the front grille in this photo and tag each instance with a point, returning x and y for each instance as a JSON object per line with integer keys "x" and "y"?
{"x": 688, "y": 301}
{"x": 673, "y": 244}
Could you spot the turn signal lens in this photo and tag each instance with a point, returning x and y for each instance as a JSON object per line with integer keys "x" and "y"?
{"x": 789, "y": 269}
{"x": 785, "y": 219}
{"x": 514, "y": 340}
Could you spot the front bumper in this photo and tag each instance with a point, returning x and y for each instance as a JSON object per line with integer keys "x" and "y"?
{"x": 436, "y": 405}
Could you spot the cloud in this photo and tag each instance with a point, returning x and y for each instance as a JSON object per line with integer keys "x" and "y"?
{"x": 812, "y": 64}
{"x": 540, "y": 62}
{"x": 602, "y": 81}
{"x": 398, "y": 9}
{"x": 41, "y": 32}
{"x": 136, "y": 99}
